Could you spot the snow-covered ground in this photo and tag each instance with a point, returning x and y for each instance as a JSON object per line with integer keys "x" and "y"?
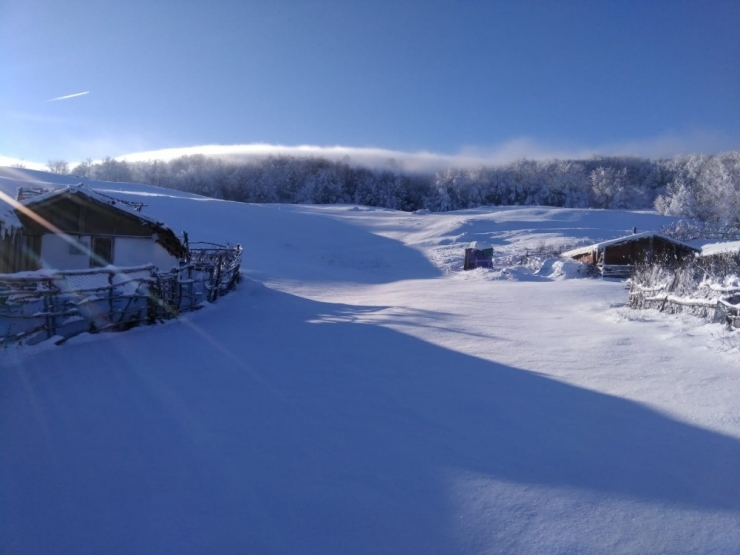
{"x": 359, "y": 393}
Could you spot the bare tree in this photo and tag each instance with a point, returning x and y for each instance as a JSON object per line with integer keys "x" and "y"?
{"x": 60, "y": 167}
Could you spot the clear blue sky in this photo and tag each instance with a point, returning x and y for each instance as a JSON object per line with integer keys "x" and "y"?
{"x": 444, "y": 76}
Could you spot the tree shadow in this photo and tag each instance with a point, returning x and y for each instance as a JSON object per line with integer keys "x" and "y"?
{"x": 299, "y": 429}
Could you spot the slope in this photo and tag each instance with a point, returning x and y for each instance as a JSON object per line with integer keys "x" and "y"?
{"x": 357, "y": 393}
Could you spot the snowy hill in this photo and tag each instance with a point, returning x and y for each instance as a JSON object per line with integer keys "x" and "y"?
{"x": 359, "y": 393}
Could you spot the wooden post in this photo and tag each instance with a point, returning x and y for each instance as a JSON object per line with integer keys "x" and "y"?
{"x": 111, "y": 310}
{"x": 217, "y": 288}
{"x": 49, "y": 318}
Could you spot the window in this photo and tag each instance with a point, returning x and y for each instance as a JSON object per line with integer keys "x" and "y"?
{"x": 102, "y": 251}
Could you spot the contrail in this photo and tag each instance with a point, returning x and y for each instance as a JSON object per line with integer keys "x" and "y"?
{"x": 68, "y": 96}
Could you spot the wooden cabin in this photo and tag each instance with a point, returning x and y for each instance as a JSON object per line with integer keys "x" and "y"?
{"x": 618, "y": 257}
{"x": 76, "y": 227}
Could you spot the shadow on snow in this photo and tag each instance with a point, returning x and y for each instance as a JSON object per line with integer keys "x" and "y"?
{"x": 298, "y": 430}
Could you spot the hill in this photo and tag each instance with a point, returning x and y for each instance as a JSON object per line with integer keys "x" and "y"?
{"x": 359, "y": 393}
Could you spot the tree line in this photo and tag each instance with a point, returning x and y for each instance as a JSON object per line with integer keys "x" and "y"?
{"x": 702, "y": 187}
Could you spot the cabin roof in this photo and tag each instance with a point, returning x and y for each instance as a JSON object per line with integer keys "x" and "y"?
{"x": 726, "y": 247}
{"x": 96, "y": 196}
{"x": 598, "y": 247}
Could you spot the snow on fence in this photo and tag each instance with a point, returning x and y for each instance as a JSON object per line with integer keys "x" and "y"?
{"x": 39, "y": 305}
{"x": 720, "y": 304}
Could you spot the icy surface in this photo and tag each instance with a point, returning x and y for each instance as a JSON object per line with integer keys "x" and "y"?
{"x": 360, "y": 393}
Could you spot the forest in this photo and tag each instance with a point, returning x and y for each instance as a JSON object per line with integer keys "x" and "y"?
{"x": 701, "y": 187}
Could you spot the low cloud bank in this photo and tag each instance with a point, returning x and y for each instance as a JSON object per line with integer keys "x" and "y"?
{"x": 469, "y": 157}
{"x": 664, "y": 146}
{"x": 10, "y": 162}
{"x": 369, "y": 157}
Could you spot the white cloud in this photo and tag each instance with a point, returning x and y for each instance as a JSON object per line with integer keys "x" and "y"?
{"x": 472, "y": 156}
{"x": 68, "y": 96}
{"x": 20, "y": 163}
{"x": 367, "y": 156}
{"x": 666, "y": 145}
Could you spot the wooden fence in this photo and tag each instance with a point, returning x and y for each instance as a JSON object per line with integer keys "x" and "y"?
{"x": 35, "y": 306}
{"x": 720, "y": 304}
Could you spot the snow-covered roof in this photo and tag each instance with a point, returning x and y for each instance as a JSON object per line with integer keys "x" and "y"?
{"x": 598, "y": 247}
{"x": 480, "y": 245}
{"x": 727, "y": 247}
{"x": 9, "y": 222}
{"x": 94, "y": 195}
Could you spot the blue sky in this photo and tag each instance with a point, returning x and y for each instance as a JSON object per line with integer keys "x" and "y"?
{"x": 487, "y": 79}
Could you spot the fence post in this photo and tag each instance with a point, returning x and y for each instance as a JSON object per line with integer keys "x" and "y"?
{"x": 110, "y": 297}
{"x": 217, "y": 288}
{"x": 669, "y": 290}
{"x": 50, "y": 320}
{"x": 151, "y": 301}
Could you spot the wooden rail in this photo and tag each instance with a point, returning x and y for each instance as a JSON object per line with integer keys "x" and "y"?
{"x": 721, "y": 304}
{"x": 40, "y": 305}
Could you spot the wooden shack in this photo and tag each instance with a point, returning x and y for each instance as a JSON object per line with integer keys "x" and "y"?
{"x": 76, "y": 227}
{"x": 618, "y": 257}
{"x": 478, "y": 255}
{"x": 720, "y": 258}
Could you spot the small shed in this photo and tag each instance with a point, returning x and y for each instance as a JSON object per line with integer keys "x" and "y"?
{"x": 478, "y": 255}
{"x": 729, "y": 249}
{"x": 720, "y": 258}
{"x": 76, "y": 227}
{"x": 618, "y": 257}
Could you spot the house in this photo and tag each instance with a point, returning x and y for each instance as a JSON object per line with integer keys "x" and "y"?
{"x": 76, "y": 227}
{"x": 618, "y": 257}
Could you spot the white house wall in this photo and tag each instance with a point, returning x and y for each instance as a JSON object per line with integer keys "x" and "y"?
{"x": 56, "y": 253}
{"x": 137, "y": 251}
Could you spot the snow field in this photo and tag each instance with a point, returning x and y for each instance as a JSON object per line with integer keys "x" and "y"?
{"x": 358, "y": 393}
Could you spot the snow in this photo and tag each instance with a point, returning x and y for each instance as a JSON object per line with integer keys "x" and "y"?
{"x": 480, "y": 245}
{"x": 618, "y": 241}
{"x": 728, "y": 247}
{"x": 359, "y": 393}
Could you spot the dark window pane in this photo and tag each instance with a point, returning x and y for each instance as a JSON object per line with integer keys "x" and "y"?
{"x": 102, "y": 248}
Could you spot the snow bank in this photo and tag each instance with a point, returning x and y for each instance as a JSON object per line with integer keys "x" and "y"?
{"x": 558, "y": 268}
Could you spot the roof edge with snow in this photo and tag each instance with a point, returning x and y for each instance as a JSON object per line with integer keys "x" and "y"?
{"x": 598, "y": 247}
